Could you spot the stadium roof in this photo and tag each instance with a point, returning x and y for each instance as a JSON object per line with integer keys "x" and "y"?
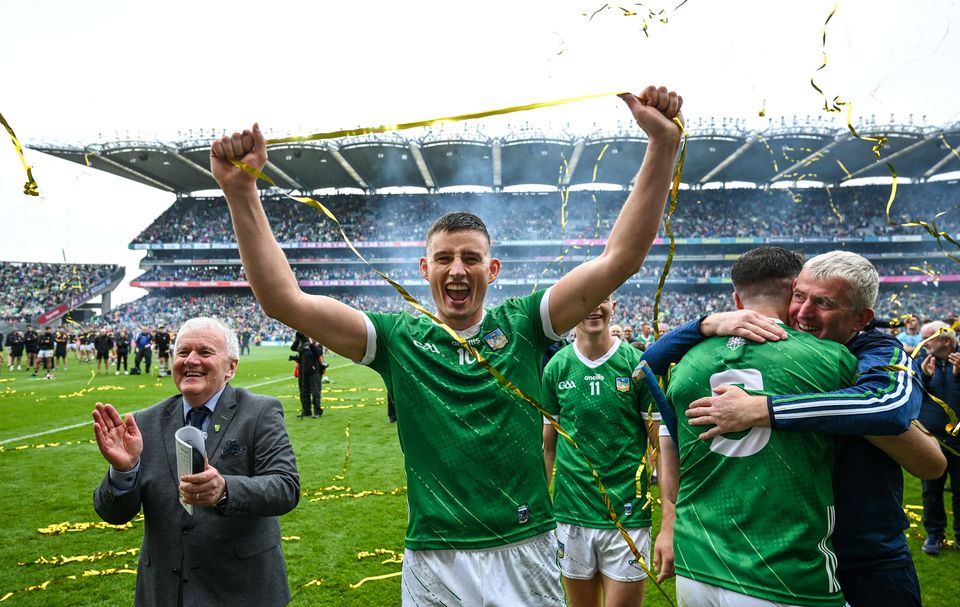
{"x": 714, "y": 154}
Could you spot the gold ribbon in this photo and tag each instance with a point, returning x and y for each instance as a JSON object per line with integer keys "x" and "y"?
{"x": 674, "y": 192}
{"x": 384, "y": 128}
{"x": 30, "y": 188}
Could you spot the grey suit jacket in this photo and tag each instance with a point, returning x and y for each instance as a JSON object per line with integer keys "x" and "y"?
{"x": 233, "y": 558}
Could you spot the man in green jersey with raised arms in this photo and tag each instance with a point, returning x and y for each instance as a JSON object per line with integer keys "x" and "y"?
{"x": 588, "y": 387}
{"x": 480, "y": 519}
{"x": 755, "y": 509}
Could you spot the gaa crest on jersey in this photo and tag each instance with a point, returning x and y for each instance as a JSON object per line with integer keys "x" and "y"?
{"x": 523, "y": 514}
{"x": 735, "y": 342}
{"x": 623, "y": 384}
{"x": 628, "y": 509}
{"x": 496, "y": 339}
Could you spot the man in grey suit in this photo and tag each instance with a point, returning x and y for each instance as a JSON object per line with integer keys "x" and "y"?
{"x": 228, "y": 552}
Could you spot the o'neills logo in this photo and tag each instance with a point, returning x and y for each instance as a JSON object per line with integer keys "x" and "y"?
{"x": 593, "y": 377}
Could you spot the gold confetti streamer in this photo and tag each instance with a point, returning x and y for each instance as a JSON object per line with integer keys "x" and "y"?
{"x": 826, "y": 105}
{"x": 81, "y": 558}
{"x": 68, "y": 527}
{"x": 674, "y": 192}
{"x": 375, "y": 578}
{"x": 384, "y": 128}
{"x": 30, "y": 188}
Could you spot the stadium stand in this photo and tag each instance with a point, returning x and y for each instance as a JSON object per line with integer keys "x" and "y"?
{"x": 192, "y": 260}
{"x": 42, "y": 292}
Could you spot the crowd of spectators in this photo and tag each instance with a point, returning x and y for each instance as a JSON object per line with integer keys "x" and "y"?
{"x": 707, "y": 213}
{"x": 28, "y": 289}
{"x": 526, "y": 271}
{"x": 241, "y": 311}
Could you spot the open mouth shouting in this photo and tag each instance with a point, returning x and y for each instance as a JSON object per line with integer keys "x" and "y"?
{"x": 457, "y": 292}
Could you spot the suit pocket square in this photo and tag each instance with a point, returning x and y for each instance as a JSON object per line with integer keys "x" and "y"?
{"x": 232, "y": 447}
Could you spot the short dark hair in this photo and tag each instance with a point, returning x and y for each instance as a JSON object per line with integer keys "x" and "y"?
{"x": 761, "y": 271}
{"x": 458, "y": 221}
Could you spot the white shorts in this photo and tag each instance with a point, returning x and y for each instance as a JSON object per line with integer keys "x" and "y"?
{"x": 87, "y": 347}
{"x": 45, "y": 354}
{"x": 582, "y": 552}
{"x": 691, "y": 593}
{"x": 521, "y": 573}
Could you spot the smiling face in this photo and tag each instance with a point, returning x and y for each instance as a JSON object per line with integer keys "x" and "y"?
{"x": 458, "y": 267}
{"x": 201, "y": 365}
{"x": 824, "y": 308}
{"x": 597, "y": 322}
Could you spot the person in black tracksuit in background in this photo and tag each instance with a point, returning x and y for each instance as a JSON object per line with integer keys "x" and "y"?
{"x": 123, "y": 350}
{"x": 162, "y": 340}
{"x": 310, "y": 358}
{"x": 60, "y": 349}
{"x": 31, "y": 341}
{"x": 15, "y": 343}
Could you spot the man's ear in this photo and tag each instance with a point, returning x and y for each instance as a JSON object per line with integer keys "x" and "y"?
{"x": 737, "y": 301}
{"x": 423, "y": 268}
{"x": 863, "y": 318}
{"x": 494, "y": 270}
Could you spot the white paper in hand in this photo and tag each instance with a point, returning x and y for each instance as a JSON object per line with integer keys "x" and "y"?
{"x": 190, "y": 452}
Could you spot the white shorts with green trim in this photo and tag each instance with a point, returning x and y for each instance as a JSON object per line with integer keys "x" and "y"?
{"x": 521, "y": 573}
{"x": 582, "y": 552}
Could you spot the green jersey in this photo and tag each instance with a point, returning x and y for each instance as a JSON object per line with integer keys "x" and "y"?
{"x": 755, "y": 509}
{"x": 472, "y": 448}
{"x": 604, "y": 411}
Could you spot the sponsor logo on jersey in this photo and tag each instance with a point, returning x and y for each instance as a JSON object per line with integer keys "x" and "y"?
{"x": 427, "y": 347}
{"x": 598, "y": 376}
{"x": 735, "y": 342}
{"x": 566, "y": 385}
{"x": 523, "y": 514}
{"x": 623, "y": 384}
{"x": 496, "y": 339}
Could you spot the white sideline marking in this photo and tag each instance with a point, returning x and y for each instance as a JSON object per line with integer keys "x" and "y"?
{"x": 81, "y": 424}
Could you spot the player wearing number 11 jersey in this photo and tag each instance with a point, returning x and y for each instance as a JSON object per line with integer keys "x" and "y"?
{"x": 588, "y": 387}
{"x": 755, "y": 509}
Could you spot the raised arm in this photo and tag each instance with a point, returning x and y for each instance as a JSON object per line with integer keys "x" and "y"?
{"x": 335, "y": 324}
{"x": 579, "y": 292}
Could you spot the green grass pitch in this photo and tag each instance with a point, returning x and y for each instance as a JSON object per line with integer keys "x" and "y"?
{"x": 352, "y": 512}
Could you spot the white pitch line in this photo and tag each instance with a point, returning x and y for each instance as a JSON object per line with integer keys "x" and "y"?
{"x": 81, "y": 424}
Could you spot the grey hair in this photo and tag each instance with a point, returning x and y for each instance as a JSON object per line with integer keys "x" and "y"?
{"x": 938, "y": 326}
{"x": 853, "y": 268}
{"x": 206, "y": 323}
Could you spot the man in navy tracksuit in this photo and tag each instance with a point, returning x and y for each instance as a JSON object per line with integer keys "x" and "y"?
{"x": 941, "y": 377}
{"x": 833, "y": 299}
